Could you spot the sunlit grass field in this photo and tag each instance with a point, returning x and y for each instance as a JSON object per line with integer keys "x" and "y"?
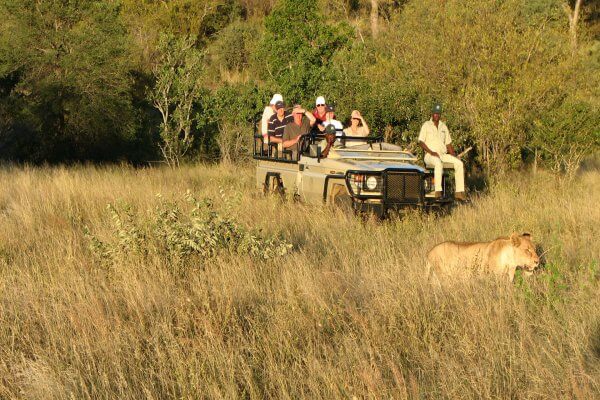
{"x": 121, "y": 302}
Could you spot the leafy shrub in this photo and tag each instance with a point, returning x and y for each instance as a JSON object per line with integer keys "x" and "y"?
{"x": 226, "y": 121}
{"x": 565, "y": 134}
{"x": 66, "y": 89}
{"x": 179, "y": 235}
{"x": 381, "y": 91}
{"x": 177, "y": 88}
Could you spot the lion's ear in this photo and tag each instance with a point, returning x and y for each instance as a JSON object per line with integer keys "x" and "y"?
{"x": 526, "y": 234}
{"x": 515, "y": 239}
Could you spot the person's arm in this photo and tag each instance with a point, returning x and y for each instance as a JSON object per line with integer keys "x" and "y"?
{"x": 448, "y": 143}
{"x": 330, "y": 140}
{"x": 264, "y": 126}
{"x": 290, "y": 142}
{"x": 365, "y": 126}
{"x": 422, "y": 136}
{"x": 450, "y": 149}
{"x": 427, "y": 149}
{"x": 311, "y": 118}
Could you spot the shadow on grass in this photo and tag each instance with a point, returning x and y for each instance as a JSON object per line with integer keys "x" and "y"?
{"x": 541, "y": 252}
{"x": 590, "y": 164}
{"x": 477, "y": 181}
{"x": 594, "y": 340}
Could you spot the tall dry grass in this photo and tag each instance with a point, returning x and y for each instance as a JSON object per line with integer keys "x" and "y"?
{"x": 345, "y": 314}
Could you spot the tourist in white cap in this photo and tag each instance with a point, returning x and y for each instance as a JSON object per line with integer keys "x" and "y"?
{"x": 319, "y": 112}
{"x": 267, "y": 113}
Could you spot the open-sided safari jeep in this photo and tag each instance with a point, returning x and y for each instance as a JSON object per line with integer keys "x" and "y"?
{"x": 365, "y": 174}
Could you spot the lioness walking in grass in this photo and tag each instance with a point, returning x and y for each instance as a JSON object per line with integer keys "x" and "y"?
{"x": 501, "y": 257}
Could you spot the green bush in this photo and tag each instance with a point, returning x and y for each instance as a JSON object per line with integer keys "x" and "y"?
{"x": 379, "y": 90}
{"x": 565, "y": 134}
{"x": 226, "y": 119}
{"x": 182, "y": 235}
{"x": 72, "y": 95}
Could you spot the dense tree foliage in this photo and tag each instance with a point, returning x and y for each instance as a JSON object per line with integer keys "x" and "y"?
{"x": 177, "y": 73}
{"x": 65, "y": 68}
{"x": 297, "y": 49}
{"x": 79, "y": 79}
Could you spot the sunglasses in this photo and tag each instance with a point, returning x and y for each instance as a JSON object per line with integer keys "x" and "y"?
{"x": 320, "y": 105}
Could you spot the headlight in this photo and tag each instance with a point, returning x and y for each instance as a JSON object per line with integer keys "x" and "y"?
{"x": 371, "y": 183}
{"x": 365, "y": 184}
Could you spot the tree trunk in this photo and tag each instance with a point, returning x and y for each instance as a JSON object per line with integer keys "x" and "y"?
{"x": 374, "y": 18}
{"x": 573, "y": 19}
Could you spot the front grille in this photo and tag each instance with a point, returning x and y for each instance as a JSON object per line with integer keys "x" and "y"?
{"x": 403, "y": 187}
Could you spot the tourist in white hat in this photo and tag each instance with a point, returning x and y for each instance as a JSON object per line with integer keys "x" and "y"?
{"x": 320, "y": 112}
{"x": 358, "y": 125}
{"x": 267, "y": 113}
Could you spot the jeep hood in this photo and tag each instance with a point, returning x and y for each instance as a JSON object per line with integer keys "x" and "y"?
{"x": 367, "y": 161}
{"x": 374, "y": 165}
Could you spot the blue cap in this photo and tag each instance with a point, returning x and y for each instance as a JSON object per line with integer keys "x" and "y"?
{"x": 436, "y": 109}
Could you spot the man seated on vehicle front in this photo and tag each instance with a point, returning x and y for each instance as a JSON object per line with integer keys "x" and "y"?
{"x": 300, "y": 126}
{"x": 435, "y": 140}
{"x": 277, "y": 122}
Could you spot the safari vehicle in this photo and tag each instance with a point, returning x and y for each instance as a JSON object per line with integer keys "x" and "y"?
{"x": 365, "y": 174}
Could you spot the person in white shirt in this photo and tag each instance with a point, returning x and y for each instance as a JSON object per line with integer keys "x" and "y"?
{"x": 435, "y": 140}
{"x": 330, "y": 120}
{"x": 267, "y": 113}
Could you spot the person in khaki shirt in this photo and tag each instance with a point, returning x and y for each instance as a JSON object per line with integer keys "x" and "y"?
{"x": 300, "y": 126}
{"x": 435, "y": 140}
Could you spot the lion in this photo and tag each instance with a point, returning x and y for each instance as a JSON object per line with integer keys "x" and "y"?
{"x": 500, "y": 257}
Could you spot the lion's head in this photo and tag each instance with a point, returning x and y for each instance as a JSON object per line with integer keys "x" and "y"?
{"x": 524, "y": 252}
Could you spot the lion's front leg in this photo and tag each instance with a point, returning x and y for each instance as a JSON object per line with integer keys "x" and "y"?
{"x": 510, "y": 272}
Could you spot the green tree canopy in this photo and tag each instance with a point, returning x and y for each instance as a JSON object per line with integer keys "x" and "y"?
{"x": 71, "y": 63}
{"x": 297, "y": 48}
{"x": 496, "y": 65}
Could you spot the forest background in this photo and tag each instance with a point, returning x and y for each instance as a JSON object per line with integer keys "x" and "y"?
{"x": 183, "y": 80}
